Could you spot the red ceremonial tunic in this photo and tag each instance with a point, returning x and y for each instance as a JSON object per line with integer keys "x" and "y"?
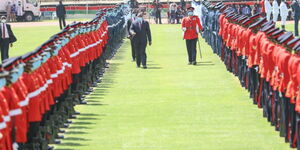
{"x": 191, "y": 24}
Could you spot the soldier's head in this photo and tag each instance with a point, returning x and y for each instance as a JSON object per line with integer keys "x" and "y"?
{"x": 60, "y": 2}
{"x": 3, "y": 75}
{"x": 15, "y": 68}
{"x": 190, "y": 11}
{"x": 3, "y": 19}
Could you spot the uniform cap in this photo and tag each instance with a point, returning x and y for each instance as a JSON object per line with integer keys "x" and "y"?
{"x": 285, "y": 38}
{"x": 271, "y": 31}
{"x": 277, "y": 34}
{"x": 191, "y": 8}
{"x": 267, "y": 23}
{"x": 254, "y": 17}
{"x": 297, "y": 46}
{"x": 267, "y": 27}
{"x": 258, "y": 23}
{"x": 10, "y": 63}
{"x": 293, "y": 42}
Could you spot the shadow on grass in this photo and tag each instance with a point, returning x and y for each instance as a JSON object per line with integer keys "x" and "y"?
{"x": 63, "y": 149}
{"x": 96, "y": 104}
{"x": 75, "y": 139}
{"x": 83, "y": 123}
{"x": 87, "y": 118}
{"x": 86, "y": 121}
{"x": 154, "y": 68}
{"x": 79, "y": 127}
{"x": 90, "y": 99}
{"x": 71, "y": 144}
{"x": 205, "y": 64}
{"x": 76, "y": 132}
{"x": 90, "y": 114}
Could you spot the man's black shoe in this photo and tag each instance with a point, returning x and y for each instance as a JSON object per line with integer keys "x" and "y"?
{"x": 138, "y": 66}
{"x": 50, "y": 148}
{"x": 60, "y": 137}
{"x": 56, "y": 141}
{"x": 194, "y": 63}
{"x": 83, "y": 102}
{"x": 61, "y": 131}
{"x": 144, "y": 67}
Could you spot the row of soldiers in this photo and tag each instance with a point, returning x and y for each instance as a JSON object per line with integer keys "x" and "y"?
{"x": 38, "y": 90}
{"x": 266, "y": 61}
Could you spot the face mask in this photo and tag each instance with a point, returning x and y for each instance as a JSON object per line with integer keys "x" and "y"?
{"x": 3, "y": 21}
{"x": 190, "y": 13}
{"x": 36, "y": 64}
{"x": 72, "y": 35}
{"x": 139, "y": 18}
{"x": 21, "y": 69}
{"x": 14, "y": 77}
{"x": 56, "y": 50}
{"x": 81, "y": 30}
{"x": 88, "y": 29}
{"x": 66, "y": 40}
{"x": 2, "y": 82}
{"x": 45, "y": 57}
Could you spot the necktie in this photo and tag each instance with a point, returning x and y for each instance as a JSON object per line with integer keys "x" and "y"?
{"x": 3, "y": 30}
{"x": 140, "y": 25}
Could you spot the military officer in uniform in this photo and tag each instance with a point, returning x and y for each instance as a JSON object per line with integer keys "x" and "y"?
{"x": 296, "y": 8}
{"x": 191, "y": 26}
{"x": 284, "y": 12}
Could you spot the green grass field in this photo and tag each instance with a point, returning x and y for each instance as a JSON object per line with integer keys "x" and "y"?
{"x": 29, "y": 38}
{"x": 170, "y": 106}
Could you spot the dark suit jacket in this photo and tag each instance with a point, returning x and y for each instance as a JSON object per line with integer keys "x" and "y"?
{"x": 60, "y": 10}
{"x": 129, "y": 22}
{"x": 296, "y": 8}
{"x": 142, "y": 34}
{"x": 12, "y": 37}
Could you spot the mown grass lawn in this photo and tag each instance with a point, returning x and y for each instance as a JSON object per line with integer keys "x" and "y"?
{"x": 170, "y": 106}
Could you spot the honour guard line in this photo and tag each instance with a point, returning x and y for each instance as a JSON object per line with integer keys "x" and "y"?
{"x": 38, "y": 91}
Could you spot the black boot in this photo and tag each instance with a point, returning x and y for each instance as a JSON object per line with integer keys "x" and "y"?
{"x": 283, "y": 27}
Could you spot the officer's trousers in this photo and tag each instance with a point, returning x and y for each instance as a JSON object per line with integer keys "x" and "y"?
{"x": 4, "y": 46}
{"x": 132, "y": 49}
{"x": 275, "y": 17}
{"x": 62, "y": 22}
{"x": 140, "y": 52}
{"x": 296, "y": 19}
{"x": 268, "y": 15}
{"x": 191, "y": 49}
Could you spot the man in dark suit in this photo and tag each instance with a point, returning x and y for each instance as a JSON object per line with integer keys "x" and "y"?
{"x": 61, "y": 13}
{"x": 296, "y": 8}
{"x": 140, "y": 30}
{"x": 133, "y": 16}
{"x": 157, "y": 8}
{"x": 7, "y": 38}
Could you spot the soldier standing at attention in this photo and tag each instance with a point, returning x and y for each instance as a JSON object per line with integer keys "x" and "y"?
{"x": 296, "y": 8}
{"x": 61, "y": 14}
{"x": 191, "y": 26}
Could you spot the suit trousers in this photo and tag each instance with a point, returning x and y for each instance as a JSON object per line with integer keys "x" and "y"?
{"x": 62, "y": 22}
{"x": 140, "y": 53}
{"x": 296, "y": 19}
{"x": 132, "y": 49}
{"x": 158, "y": 18}
{"x": 4, "y": 46}
{"x": 191, "y": 49}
